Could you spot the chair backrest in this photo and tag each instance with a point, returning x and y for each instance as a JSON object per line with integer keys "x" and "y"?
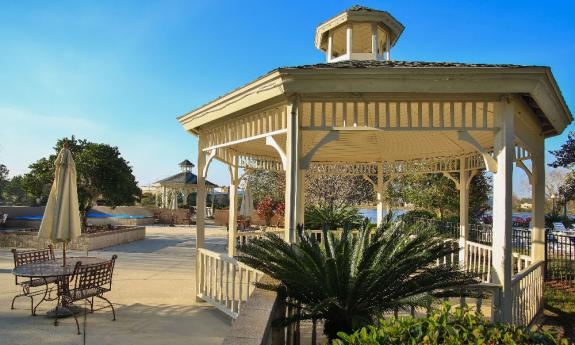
{"x": 30, "y": 256}
{"x": 94, "y": 275}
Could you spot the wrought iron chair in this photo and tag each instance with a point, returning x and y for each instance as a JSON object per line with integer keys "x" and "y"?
{"x": 87, "y": 282}
{"x": 28, "y": 285}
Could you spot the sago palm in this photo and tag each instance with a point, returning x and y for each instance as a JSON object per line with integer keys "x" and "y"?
{"x": 349, "y": 280}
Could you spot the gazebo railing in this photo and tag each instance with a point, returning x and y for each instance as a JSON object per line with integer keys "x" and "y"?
{"x": 527, "y": 294}
{"x": 224, "y": 282}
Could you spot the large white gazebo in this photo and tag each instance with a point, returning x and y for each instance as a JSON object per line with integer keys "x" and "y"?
{"x": 362, "y": 113}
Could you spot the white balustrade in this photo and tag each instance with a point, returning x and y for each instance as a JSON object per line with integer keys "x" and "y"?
{"x": 224, "y": 281}
{"x": 527, "y": 294}
{"x": 479, "y": 260}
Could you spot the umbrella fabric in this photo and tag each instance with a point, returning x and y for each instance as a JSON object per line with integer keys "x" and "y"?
{"x": 61, "y": 221}
{"x": 247, "y": 203}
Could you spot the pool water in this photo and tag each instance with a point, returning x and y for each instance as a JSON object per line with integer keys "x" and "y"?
{"x": 90, "y": 215}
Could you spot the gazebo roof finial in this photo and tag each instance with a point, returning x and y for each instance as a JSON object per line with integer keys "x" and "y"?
{"x": 358, "y": 33}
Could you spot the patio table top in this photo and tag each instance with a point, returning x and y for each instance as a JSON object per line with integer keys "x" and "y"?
{"x": 53, "y": 268}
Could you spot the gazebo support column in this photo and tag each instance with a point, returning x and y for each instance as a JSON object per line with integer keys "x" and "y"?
{"x": 502, "y": 211}
{"x": 294, "y": 175}
{"x": 233, "y": 213}
{"x": 463, "y": 210}
{"x": 201, "y": 196}
{"x": 538, "y": 197}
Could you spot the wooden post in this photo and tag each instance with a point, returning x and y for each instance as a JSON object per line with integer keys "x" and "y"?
{"x": 502, "y": 211}
{"x": 463, "y": 210}
{"x": 380, "y": 194}
{"x": 294, "y": 177}
{"x": 233, "y": 213}
{"x": 329, "y": 46}
{"x": 374, "y": 40}
{"x": 538, "y": 198}
{"x": 348, "y": 39}
{"x": 201, "y": 195}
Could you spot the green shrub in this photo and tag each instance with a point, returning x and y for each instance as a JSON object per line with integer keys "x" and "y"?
{"x": 446, "y": 325}
{"x": 318, "y": 217}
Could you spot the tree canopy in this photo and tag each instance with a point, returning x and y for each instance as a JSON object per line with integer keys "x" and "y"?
{"x": 437, "y": 193}
{"x": 565, "y": 158}
{"x": 3, "y": 179}
{"x": 102, "y": 173}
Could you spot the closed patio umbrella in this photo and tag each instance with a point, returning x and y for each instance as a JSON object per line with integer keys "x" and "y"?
{"x": 247, "y": 202}
{"x": 61, "y": 221}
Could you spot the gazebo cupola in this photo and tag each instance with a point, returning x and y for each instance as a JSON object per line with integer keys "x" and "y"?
{"x": 358, "y": 33}
{"x": 186, "y": 165}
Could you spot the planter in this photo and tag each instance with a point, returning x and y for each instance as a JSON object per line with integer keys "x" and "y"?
{"x": 86, "y": 242}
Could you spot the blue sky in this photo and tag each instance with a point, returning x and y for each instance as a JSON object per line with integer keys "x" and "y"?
{"x": 120, "y": 72}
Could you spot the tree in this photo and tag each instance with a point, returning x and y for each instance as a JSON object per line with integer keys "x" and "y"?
{"x": 101, "y": 170}
{"x": 437, "y": 193}
{"x": 350, "y": 282}
{"x": 338, "y": 191}
{"x": 3, "y": 179}
{"x": 14, "y": 193}
{"x": 265, "y": 184}
{"x": 565, "y": 156}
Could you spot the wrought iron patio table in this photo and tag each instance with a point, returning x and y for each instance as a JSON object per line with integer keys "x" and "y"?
{"x": 54, "y": 269}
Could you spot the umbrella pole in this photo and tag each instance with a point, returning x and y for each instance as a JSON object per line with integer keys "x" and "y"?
{"x": 63, "y": 254}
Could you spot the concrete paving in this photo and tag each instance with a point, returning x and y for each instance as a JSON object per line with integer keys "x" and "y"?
{"x": 153, "y": 293}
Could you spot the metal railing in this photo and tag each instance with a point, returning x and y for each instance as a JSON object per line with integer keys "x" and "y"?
{"x": 224, "y": 282}
{"x": 559, "y": 257}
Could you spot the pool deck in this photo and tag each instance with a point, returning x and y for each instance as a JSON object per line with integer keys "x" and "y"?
{"x": 153, "y": 293}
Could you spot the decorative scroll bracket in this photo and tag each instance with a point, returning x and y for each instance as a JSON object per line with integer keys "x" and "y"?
{"x": 528, "y": 172}
{"x": 329, "y": 137}
{"x": 449, "y": 176}
{"x": 271, "y": 141}
{"x": 490, "y": 162}
{"x": 209, "y": 156}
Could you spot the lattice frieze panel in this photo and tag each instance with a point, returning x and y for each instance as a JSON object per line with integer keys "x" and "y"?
{"x": 473, "y": 162}
{"x": 249, "y": 161}
{"x": 265, "y": 121}
{"x": 399, "y": 115}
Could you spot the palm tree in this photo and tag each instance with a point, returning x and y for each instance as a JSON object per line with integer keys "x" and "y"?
{"x": 351, "y": 280}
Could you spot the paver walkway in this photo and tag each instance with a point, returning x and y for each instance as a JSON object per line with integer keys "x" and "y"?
{"x": 153, "y": 293}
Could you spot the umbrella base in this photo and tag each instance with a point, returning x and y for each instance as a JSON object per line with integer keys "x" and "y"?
{"x": 67, "y": 311}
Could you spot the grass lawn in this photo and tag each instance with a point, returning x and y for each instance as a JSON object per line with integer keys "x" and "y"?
{"x": 560, "y": 309}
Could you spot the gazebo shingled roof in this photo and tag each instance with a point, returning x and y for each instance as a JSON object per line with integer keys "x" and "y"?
{"x": 184, "y": 178}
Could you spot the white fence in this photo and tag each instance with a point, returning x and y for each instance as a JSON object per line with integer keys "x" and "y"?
{"x": 527, "y": 294}
{"x": 224, "y": 282}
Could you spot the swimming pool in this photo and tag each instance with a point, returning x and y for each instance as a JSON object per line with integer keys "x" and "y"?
{"x": 90, "y": 215}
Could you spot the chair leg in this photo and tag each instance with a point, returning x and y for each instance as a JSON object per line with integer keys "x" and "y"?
{"x": 92, "y": 305}
{"x": 24, "y": 295}
{"x": 111, "y": 306}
